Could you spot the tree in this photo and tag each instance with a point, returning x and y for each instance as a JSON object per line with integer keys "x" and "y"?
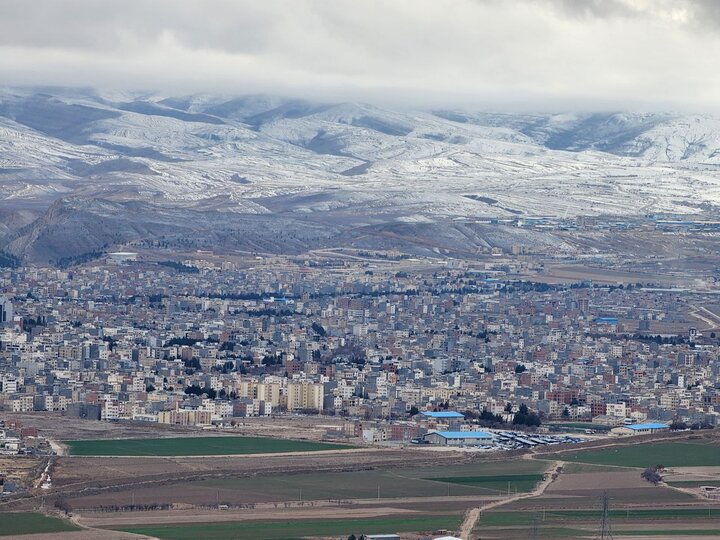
{"x": 149, "y": 388}
{"x": 508, "y": 408}
{"x": 520, "y": 368}
{"x": 318, "y": 328}
{"x": 197, "y": 391}
{"x": 566, "y": 413}
{"x": 678, "y": 425}
{"x": 525, "y": 418}
{"x": 413, "y": 410}
{"x": 652, "y": 474}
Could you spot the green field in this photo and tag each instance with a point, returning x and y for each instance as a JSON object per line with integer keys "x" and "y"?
{"x": 194, "y": 446}
{"x": 17, "y": 523}
{"x": 665, "y": 532}
{"x": 670, "y": 454}
{"x": 511, "y": 482}
{"x": 264, "y": 530}
{"x": 506, "y": 518}
{"x": 472, "y": 479}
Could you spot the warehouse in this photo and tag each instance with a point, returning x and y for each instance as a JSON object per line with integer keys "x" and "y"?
{"x": 458, "y": 438}
{"x": 639, "y": 429}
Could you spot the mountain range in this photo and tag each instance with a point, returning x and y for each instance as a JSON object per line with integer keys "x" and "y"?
{"x": 83, "y": 171}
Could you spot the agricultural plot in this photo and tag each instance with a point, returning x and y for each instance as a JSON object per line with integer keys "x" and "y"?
{"x": 669, "y": 454}
{"x": 502, "y": 518}
{"x": 483, "y": 479}
{"x": 500, "y": 483}
{"x": 373, "y": 484}
{"x": 194, "y": 446}
{"x": 508, "y": 525}
{"x": 19, "y": 523}
{"x": 297, "y": 528}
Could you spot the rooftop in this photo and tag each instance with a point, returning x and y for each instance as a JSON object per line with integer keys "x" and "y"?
{"x": 649, "y": 425}
{"x": 463, "y": 434}
{"x": 442, "y": 414}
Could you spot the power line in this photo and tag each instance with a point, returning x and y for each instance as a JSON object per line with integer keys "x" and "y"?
{"x": 605, "y": 530}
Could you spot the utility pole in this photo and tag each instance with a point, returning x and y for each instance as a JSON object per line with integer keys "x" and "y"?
{"x": 605, "y": 531}
{"x": 535, "y": 533}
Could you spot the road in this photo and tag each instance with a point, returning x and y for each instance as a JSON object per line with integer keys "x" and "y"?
{"x": 473, "y": 515}
{"x": 709, "y": 318}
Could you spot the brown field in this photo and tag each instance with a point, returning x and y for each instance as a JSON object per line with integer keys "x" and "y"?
{"x": 21, "y": 470}
{"x": 359, "y": 509}
{"x": 107, "y": 480}
{"x": 684, "y": 474}
{"x": 78, "y": 472}
{"x": 59, "y": 427}
{"x": 577, "y": 272}
{"x": 584, "y": 481}
{"x": 84, "y": 535}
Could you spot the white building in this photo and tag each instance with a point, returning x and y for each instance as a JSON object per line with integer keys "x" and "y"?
{"x": 6, "y": 311}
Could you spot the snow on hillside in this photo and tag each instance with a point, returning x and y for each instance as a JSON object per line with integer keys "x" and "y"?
{"x": 323, "y": 157}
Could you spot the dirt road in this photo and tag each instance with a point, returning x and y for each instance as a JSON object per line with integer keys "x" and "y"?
{"x": 473, "y": 515}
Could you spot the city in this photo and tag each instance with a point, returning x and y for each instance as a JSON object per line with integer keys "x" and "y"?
{"x": 408, "y": 270}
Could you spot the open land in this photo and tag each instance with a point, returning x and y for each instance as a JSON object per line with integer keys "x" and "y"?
{"x": 194, "y": 446}
{"x": 676, "y": 454}
{"x": 262, "y": 530}
{"x": 316, "y": 493}
{"x": 571, "y": 506}
{"x": 19, "y": 523}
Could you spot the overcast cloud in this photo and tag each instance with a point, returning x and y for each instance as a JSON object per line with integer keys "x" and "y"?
{"x": 524, "y": 54}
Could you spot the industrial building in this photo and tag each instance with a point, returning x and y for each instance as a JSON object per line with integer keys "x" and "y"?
{"x": 639, "y": 429}
{"x": 458, "y": 438}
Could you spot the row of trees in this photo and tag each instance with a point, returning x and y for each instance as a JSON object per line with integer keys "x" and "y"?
{"x": 523, "y": 417}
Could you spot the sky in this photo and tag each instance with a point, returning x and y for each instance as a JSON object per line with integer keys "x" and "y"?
{"x": 493, "y": 54}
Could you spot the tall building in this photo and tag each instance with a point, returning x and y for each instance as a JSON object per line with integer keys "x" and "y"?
{"x": 6, "y": 311}
{"x": 305, "y": 395}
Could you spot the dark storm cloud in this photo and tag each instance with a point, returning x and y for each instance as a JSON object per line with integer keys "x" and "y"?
{"x": 522, "y": 54}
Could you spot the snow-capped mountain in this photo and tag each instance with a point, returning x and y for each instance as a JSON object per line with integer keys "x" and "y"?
{"x": 82, "y": 170}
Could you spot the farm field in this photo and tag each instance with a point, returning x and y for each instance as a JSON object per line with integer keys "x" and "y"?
{"x": 367, "y": 484}
{"x": 672, "y": 532}
{"x": 499, "y": 483}
{"x": 508, "y": 525}
{"x": 297, "y": 529}
{"x": 669, "y": 454}
{"x": 502, "y": 518}
{"x": 18, "y": 523}
{"x": 582, "y": 490}
{"x": 194, "y": 446}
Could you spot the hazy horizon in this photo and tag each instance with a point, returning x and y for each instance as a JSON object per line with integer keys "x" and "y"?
{"x": 530, "y": 55}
